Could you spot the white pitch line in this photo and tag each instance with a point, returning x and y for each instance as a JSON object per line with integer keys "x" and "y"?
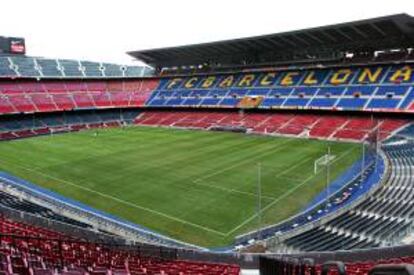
{"x": 232, "y": 190}
{"x": 271, "y": 151}
{"x": 269, "y": 205}
{"x": 282, "y": 197}
{"x": 293, "y": 167}
{"x": 126, "y": 202}
{"x": 290, "y": 178}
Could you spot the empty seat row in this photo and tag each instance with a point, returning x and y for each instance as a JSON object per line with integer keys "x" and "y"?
{"x": 25, "y": 66}
{"x": 47, "y": 96}
{"x": 314, "y": 126}
{"x": 27, "y": 249}
{"x": 381, "y": 219}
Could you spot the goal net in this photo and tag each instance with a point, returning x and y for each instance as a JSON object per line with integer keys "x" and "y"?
{"x": 322, "y": 162}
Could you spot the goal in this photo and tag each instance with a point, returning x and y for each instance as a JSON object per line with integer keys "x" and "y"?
{"x": 322, "y": 161}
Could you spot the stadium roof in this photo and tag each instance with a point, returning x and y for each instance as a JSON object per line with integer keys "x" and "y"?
{"x": 387, "y": 32}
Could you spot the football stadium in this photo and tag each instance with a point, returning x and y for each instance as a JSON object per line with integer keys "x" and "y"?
{"x": 286, "y": 153}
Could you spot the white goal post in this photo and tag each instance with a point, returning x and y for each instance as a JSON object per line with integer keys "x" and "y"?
{"x": 322, "y": 161}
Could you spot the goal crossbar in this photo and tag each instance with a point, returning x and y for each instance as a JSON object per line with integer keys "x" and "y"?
{"x": 322, "y": 161}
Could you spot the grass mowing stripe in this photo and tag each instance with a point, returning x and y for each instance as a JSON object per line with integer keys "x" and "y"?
{"x": 277, "y": 148}
{"x": 155, "y": 168}
{"x": 232, "y": 190}
{"x": 282, "y": 196}
{"x": 124, "y": 202}
{"x": 268, "y": 206}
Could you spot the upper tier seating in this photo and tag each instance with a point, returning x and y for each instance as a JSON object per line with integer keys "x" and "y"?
{"x": 376, "y": 88}
{"x": 6, "y": 68}
{"x": 23, "y": 66}
{"x": 46, "y": 96}
{"x": 325, "y": 127}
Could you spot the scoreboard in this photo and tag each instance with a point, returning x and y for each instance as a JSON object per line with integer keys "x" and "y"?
{"x": 12, "y": 45}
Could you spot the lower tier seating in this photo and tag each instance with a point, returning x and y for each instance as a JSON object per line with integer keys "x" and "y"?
{"x": 381, "y": 219}
{"x": 284, "y": 266}
{"x": 314, "y": 126}
{"x": 28, "y": 126}
{"x": 22, "y": 205}
{"x": 36, "y": 251}
{"x": 8, "y": 226}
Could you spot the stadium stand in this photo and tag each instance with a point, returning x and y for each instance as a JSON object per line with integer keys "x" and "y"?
{"x": 359, "y": 179}
{"x": 323, "y": 97}
{"x": 291, "y": 265}
{"x": 22, "y": 205}
{"x": 370, "y": 88}
{"x": 28, "y": 126}
{"x": 46, "y": 96}
{"x": 36, "y": 67}
{"x": 25, "y": 66}
{"x": 299, "y": 125}
{"x": 376, "y": 221}
{"x": 34, "y": 250}
{"x": 6, "y": 68}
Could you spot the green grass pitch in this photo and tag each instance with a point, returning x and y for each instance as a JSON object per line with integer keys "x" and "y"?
{"x": 196, "y": 186}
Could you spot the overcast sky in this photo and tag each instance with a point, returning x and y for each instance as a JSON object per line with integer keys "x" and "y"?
{"x": 104, "y": 30}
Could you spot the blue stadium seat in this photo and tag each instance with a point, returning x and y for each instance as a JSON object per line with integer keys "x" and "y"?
{"x": 174, "y": 101}
{"x": 210, "y": 101}
{"x": 352, "y": 103}
{"x": 229, "y": 101}
{"x": 281, "y": 91}
{"x": 203, "y": 93}
{"x": 408, "y": 99}
{"x": 361, "y": 89}
{"x": 323, "y": 102}
{"x": 192, "y": 101}
{"x": 238, "y": 92}
{"x": 272, "y": 102}
{"x": 296, "y": 102}
{"x": 307, "y": 91}
{"x": 393, "y": 89}
{"x": 378, "y": 103}
{"x": 157, "y": 102}
{"x": 258, "y": 92}
{"x": 334, "y": 91}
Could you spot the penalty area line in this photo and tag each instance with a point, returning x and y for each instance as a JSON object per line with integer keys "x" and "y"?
{"x": 125, "y": 202}
{"x": 284, "y": 195}
{"x": 278, "y": 147}
{"x": 231, "y": 190}
{"x": 269, "y": 205}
